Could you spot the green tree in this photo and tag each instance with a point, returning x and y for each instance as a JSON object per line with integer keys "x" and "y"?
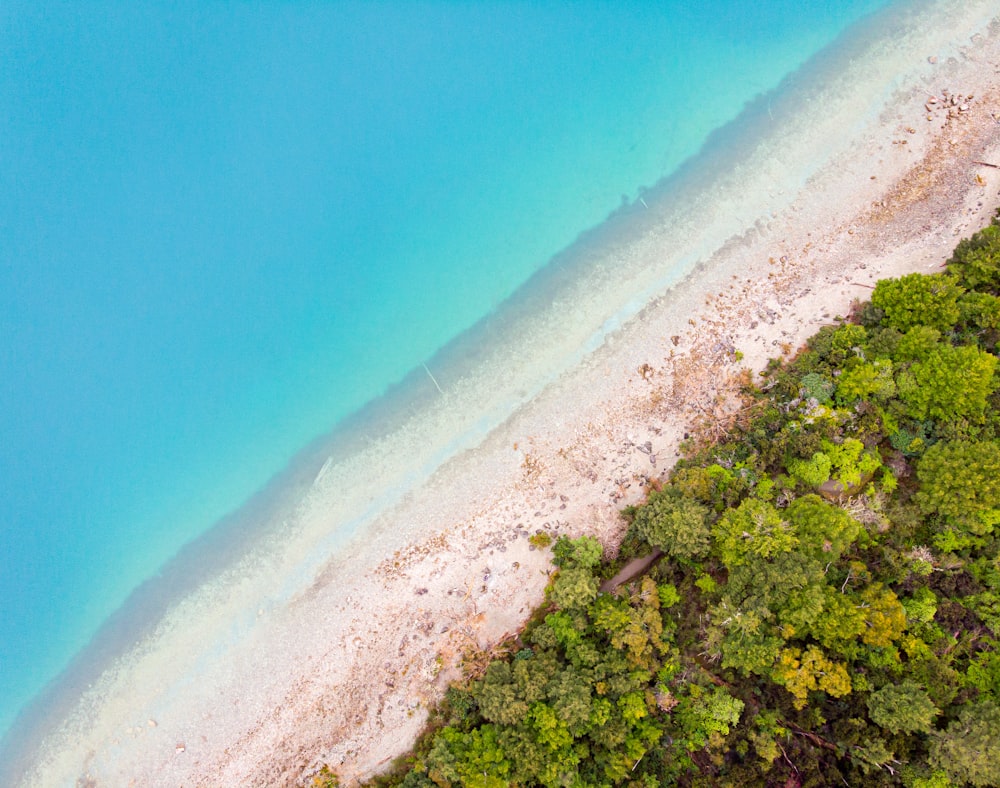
{"x": 902, "y": 708}
{"x": 885, "y": 617}
{"x": 867, "y": 380}
{"x": 675, "y": 523}
{"x": 583, "y": 552}
{"x": 573, "y": 588}
{"x": 984, "y": 672}
{"x": 980, "y": 311}
{"x": 714, "y": 486}
{"x": 919, "y": 300}
{"x": 704, "y": 714}
{"x": 846, "y": 462}
{"x": 851, "y": 463}
{"x": 812, "y": 472}
{"x": 840, "y": 623}
{"x": 846, "y": 341}
{"x": 917, "y": 344}
{"x": 570, "y": 697}
{"x": 754, "y": 529}
{"x": 817, "y": 386}
{"x": 634, "y": 629}
{"x": 471, "y": 760}
{"x": 824, "y": 530}
{"x": 499, "y": 697}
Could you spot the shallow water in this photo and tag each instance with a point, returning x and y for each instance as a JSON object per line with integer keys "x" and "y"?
{"x": 227, "y": 229}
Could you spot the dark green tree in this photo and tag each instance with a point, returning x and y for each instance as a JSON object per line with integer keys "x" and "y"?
{"x": 969, "y": 749}
{"x": 976, "y": 260}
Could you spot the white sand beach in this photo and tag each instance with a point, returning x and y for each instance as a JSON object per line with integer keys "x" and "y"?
{"x": 329, "y": 640}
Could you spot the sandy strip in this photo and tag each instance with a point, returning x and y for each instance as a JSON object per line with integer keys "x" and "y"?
{"x": 295, "y": 658}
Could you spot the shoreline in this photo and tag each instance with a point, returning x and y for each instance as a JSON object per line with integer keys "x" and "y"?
{"x": 320, "y": 669}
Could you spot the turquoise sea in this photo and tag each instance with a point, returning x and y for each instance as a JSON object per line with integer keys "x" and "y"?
{"x": 224, "y": 228}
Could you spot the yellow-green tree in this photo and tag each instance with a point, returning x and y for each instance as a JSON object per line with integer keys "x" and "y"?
{"x": 919, "y": 300}
{"x": 951, "y": 383}
{"x": 802, "y": 672}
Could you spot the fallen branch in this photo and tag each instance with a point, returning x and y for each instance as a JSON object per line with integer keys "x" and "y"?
{"x": 785, "y": 756}
{"x": 817, "y": 740}
{"x": 986, "y": 163}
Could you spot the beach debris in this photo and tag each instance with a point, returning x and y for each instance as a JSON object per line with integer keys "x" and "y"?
{"x": 932, "y": 59}
{"x": 954, "y": 105}
{"x": 151, "y": 723}
{"x": 180, "y": 748}
{"x": 433, "y": 379}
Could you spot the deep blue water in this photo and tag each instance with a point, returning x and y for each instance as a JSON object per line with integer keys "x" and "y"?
{"x": 225, "y": 227}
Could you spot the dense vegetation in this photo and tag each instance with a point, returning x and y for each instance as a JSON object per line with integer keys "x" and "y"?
{"x": 827, "y": 608}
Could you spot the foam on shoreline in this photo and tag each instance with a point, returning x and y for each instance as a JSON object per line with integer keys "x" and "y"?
{"x": 296, "y": 651}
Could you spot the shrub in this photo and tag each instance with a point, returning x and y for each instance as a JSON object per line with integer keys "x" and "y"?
{"x": 540, "y": 540}
{"x": 846, "y": 341}
{"x": 817, "y": 387}
{"x": 867, "y": 380}
{"x": 917, "y": 344}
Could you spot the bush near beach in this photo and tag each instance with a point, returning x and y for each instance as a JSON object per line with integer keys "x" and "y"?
{"x": 827, "y": 604}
